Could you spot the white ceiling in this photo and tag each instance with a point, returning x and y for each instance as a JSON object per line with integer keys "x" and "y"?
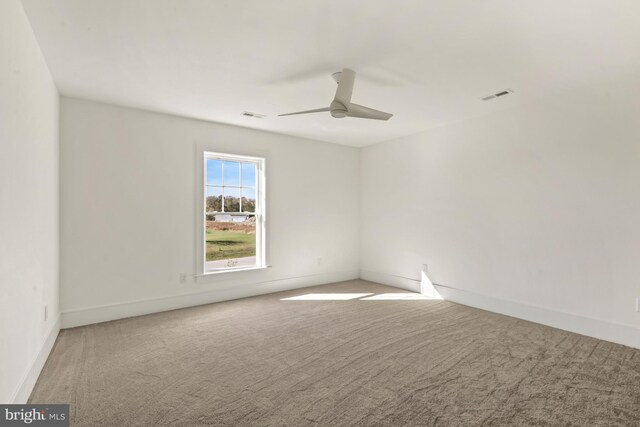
{"x": 427, "y": 62}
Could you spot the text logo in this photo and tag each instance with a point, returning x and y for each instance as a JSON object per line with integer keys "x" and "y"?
{"x": 34, "y": 415}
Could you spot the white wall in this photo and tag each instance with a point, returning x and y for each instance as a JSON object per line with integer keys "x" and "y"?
{"x": 29, "y": 212}
{"x": 128, "y": 214}
{"x": 539, "y": 205}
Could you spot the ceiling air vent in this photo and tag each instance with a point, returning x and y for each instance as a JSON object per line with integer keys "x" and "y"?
{"x": 255, "y": 115}
{"x": 497, "y": 95}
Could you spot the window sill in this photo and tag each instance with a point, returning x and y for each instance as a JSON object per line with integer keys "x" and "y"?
{"x": 231, "y": 270}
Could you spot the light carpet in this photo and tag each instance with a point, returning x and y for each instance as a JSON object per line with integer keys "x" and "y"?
{"x": 374, "y": 360}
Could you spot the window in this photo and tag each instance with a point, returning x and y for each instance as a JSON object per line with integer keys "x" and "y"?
{"x": 234, "y": 231}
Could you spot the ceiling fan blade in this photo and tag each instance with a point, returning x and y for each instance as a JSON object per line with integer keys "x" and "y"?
{"x": 345, "y": 86}
{"x": 362, "y": 112}
{"x": 317, "y": 110}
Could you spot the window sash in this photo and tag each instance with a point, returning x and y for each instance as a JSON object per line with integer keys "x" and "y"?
{"x": 259, "y": 211}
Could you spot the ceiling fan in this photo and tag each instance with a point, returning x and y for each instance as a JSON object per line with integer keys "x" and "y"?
{"x": 341, "y": 106}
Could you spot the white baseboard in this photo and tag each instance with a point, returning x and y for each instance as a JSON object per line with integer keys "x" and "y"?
{"x": 104, "y": 313}
{"x": 391, "y": 280}
{"x": 30, "y": 377}
{"x": 596, "y": 328}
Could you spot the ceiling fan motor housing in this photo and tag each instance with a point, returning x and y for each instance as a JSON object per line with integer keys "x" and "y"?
{"x": 338, "y": 110}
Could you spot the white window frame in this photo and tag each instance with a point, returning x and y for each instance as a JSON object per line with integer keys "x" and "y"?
{"x": 260, "y": 212}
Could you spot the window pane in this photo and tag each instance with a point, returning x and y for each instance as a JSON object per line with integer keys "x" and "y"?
{"x": 214, "y": 172}
{"x": 248, "y": 199}
{"x": 213, "y": 199}
{"x": 232, "y": 173}
{"x": 230, "y": 243}
{"x": 248, "y": 175}
{"x": 231, "y": 199}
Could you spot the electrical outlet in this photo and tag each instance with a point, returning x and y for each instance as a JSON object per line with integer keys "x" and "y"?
{"x": 424, "y": 268}
{"x": 46, "y": 312}
{"x": 319, "y": 261}
{"x": 638, "y": 304}
{"x": 183, "y": 277}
